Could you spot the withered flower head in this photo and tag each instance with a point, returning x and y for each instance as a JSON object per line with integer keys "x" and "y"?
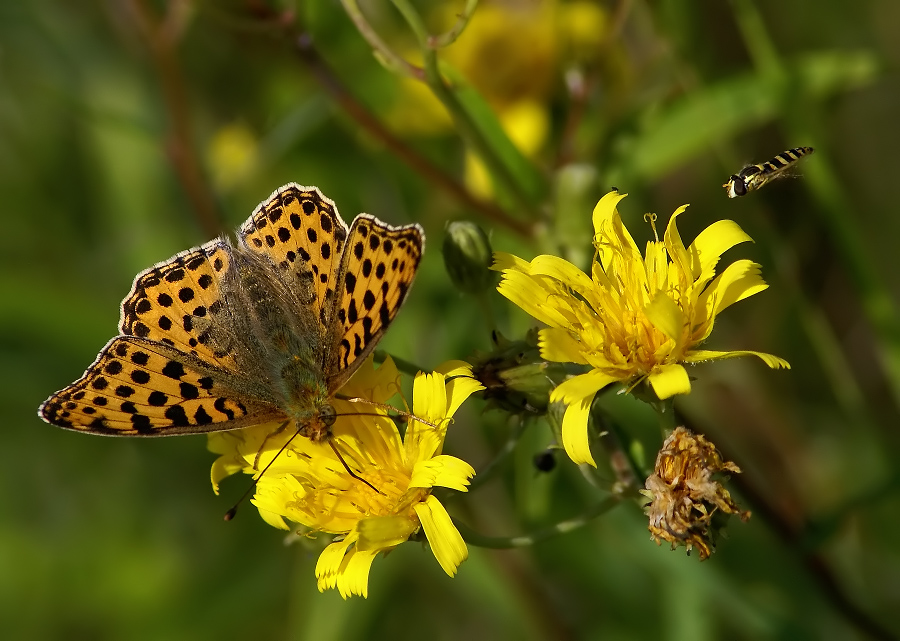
{"x": 688, "y": 506}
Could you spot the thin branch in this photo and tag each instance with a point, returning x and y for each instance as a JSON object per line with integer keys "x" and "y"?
{"x": 487, "y": 470}
{"x": 526, "y": 540}
{"x": 382, "y": 51}
{"x": 447, "y": 39}
{"x": 162, "y": 37}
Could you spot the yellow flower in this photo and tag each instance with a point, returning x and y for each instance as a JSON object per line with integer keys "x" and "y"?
{"x": 232, "y": 155}
{"x": 635, "y": 318}
{"x": 308, "y": 484}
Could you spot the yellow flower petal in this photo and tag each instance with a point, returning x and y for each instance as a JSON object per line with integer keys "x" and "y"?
{"x": 669, "y": 380}
{"x": 531, "y": 294}
{"x": 605, "y": 210}
{"x": 267, "y": 499}
{"x": 430, "y": 404}
{"x": 446, "y": 543}
{"x": 503, "y": 261}
{"x": 674, "y": 246}
{"x": 454, "y": 368}
{"x": 460, "y": 384}
{"x": 563, "y": 271}
{"x": 740, "y": 280}
{"x": 380, "y": 532}
{"x": 711, "y": 243}
{"x": 376, "y": 384}
{"x": 429, "y": 397}
{"x": 443, "y": 471}
{"x": 703, "y": 355}
{"x": 330, "y": 561}
{"x": 582, "y": 386}
{"x": 354, "y": 575}
{"x": 223, "y": 467}
{"x": 575, "y": 433}
{"x": 558, "y": 345}
{"x": 666, "y": 316}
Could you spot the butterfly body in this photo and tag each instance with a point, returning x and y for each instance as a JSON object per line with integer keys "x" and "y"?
{"x": 228, "y": 335}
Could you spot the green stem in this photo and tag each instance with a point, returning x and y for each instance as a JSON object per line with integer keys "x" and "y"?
{"x": 761, "y": 47}
{"x": 464, "y": 124}
{"x": 447, "y": 39}
{"x": 487, "y": 313}
{"x": 665, "y": 411}
{"x": 628, "y": 472}
{"x": 383, "y": 52}
{"x": 505, "y": 542}
{"x": 488, "y": 470}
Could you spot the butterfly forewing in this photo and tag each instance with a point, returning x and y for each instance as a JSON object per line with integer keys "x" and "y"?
{"x": 378, "y": 268}
{"x": 301, "y": 232}
{"x": 139, "y": 387}
{"x": 179, "y": 301}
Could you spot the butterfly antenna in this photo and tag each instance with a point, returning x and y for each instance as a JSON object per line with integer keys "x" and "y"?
{"x": 347, "y": 467}
{"x": 385, "y": 406}
{"x": 230, "y": 514}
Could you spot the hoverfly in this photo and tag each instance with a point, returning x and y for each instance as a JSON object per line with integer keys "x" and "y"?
{"x": 752, "y": 177}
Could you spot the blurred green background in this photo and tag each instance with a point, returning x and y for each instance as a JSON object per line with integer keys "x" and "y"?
{"x": 131, "y": 130}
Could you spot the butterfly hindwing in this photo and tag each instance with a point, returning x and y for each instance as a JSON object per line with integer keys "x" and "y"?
{"x": 377, "y": 270}
{"x": 138, "y": 387}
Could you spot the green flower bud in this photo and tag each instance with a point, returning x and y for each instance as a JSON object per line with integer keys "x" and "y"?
{"x": 467, "y": 257}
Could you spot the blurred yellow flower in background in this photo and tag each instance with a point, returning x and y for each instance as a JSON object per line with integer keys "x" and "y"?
{"x": 308, "y": 484}
{"x": 232, "y": 154}
{"x": 635, "y": 318}
{"x": 514, "y": 54}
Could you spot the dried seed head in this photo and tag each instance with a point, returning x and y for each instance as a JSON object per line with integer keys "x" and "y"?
{"x": 687, "y": 504}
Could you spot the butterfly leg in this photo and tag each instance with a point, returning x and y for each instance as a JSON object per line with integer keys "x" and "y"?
{"x": 262, "y": 447}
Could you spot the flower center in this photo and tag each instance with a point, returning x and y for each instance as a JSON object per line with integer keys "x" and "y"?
{"x": 626, "y": 285}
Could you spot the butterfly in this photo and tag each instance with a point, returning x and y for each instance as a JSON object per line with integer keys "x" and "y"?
{"x": 268, "y": 328}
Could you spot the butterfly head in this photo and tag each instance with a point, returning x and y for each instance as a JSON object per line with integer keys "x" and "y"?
{"x": 318, "y": 428}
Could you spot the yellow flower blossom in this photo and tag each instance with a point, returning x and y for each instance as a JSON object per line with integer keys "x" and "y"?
{"x": 308, "y": 484}
{"x": 636, "y": 317}
{"x": 232, "y": 155}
